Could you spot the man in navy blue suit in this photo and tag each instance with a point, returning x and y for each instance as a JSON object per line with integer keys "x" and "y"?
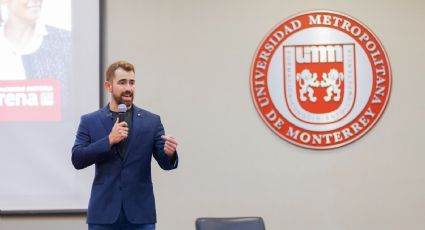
{"x": 122, "y": 194}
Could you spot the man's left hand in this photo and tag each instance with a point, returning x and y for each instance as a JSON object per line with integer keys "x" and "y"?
{"x": 170, "y": 145}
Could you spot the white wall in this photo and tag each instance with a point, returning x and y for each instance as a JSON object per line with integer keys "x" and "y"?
{"x": 192, "y": 62}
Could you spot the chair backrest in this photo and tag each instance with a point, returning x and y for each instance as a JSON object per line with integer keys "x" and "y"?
{"x": 234, "y": 223}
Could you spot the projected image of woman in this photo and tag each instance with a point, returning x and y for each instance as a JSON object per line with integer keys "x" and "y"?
{"x": 30, "y": 49}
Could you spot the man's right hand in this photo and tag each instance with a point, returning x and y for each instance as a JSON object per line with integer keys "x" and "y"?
{"x": 118, "y": 133}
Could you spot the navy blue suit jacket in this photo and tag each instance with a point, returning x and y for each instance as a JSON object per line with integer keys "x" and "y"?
{"x": 121, "y": 182}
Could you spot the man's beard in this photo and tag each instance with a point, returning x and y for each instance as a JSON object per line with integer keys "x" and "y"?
{"x": 119, "y": 99}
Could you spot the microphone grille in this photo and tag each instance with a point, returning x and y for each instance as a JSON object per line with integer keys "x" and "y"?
{"x": 122, "y": 108}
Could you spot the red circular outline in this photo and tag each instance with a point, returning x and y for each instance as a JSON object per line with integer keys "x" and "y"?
{"x": 380, "y": 109}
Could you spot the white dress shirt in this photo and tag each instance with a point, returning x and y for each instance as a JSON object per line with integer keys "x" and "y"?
{"x": 11, "y": 66}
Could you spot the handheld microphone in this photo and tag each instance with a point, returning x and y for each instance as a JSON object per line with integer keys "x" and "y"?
{"x": 121, "y": 112}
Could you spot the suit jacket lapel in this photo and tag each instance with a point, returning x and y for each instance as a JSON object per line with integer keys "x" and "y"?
{"x": 106, "y": 119}
{"x": 134, "y": 132}
{"x": 107, "y": 123}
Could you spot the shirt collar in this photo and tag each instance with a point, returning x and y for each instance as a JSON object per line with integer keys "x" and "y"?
{"x": 39, "y": 32}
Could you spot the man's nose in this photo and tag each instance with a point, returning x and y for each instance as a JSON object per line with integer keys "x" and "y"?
{"x": 128, "y": 86}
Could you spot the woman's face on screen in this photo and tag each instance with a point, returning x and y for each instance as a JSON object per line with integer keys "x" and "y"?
{"x": 28, "y": 10}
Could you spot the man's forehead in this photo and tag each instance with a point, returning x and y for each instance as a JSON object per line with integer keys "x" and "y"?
{"x": 123, "y": 74}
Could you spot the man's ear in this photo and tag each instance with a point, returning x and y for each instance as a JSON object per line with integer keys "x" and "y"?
{"x": 108, "y": 86}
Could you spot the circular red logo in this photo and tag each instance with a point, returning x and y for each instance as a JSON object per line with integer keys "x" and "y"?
{"x": 320, "y": 79}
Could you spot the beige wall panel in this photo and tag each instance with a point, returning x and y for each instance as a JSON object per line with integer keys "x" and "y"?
{"x": 193, "y": 60}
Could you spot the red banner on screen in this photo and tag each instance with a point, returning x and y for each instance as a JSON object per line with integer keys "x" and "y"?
{"x": 30, "y": 100}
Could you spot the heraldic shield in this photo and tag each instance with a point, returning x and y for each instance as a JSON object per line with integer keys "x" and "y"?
{"x": 319, "y": 81}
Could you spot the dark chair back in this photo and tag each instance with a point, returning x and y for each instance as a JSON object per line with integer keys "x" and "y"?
{"x": 235, "y": 223}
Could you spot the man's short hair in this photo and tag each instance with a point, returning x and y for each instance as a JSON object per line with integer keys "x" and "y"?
{"x": 110, "y": 72}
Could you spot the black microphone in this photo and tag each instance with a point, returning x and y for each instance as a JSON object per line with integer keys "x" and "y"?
{"x": 121, "y": 112}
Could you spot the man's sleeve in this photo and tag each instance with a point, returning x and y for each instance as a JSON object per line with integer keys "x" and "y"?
{"x": 163, "y": 160}
{"x": 85, "y": 152}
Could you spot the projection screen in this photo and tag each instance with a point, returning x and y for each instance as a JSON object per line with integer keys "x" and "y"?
{"x": 49, "y": 77}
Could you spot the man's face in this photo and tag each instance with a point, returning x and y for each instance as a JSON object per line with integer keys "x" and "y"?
{"x": 122, "y": 87}
{"x": 24, "y": 9}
